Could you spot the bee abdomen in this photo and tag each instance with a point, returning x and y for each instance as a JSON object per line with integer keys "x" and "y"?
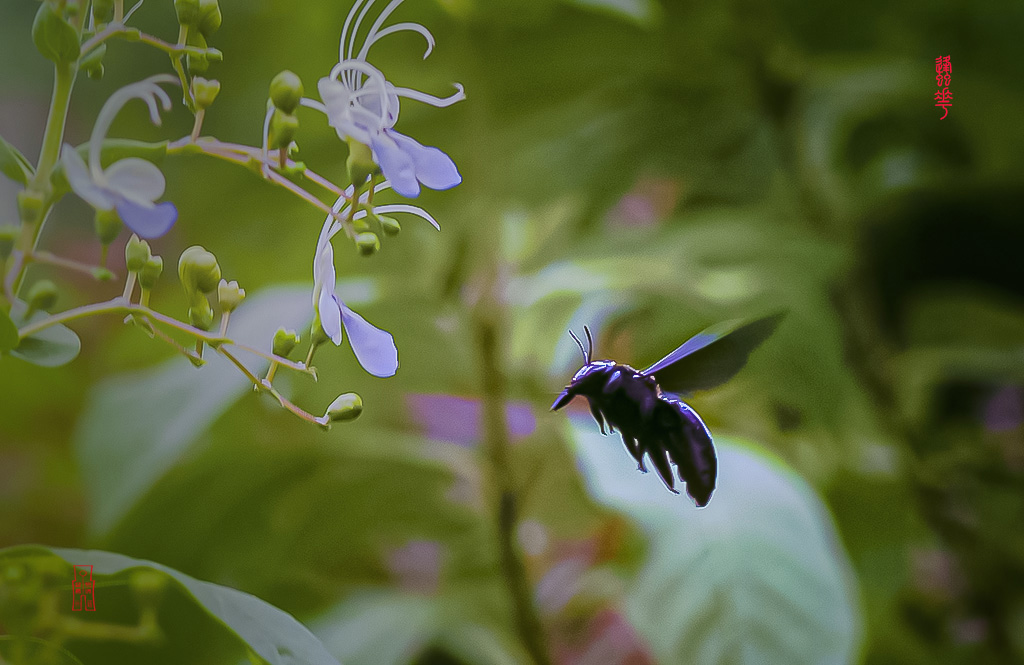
{"x": 689, "y": 445}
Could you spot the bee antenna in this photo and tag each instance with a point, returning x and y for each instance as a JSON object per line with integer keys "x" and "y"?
{"x": 590, "y": 344}
{"x": 586, "y": 359}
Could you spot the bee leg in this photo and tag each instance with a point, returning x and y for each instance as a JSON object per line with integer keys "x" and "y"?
{"x": 598, "y": 416}
{"x": 634, "y": 449}
{"x": 660, "y": 458}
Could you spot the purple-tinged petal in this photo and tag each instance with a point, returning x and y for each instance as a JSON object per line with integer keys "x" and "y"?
{"x": 397, "y": 166}
{"x": 81, "y": 181}
{"x": 329, "y": 309}
{"x": 147, "y": 221}
{"x": 374, "y": 348}
{"x": 434, "y": 169}
{"x": 135, "y": 179}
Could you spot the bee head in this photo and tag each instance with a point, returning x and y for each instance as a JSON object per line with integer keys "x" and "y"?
{"x": 590, "y": 378}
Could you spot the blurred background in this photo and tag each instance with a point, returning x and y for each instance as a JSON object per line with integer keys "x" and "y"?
{"x": 646, "y": 168}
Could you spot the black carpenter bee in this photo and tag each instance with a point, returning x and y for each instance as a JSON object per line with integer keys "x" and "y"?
{"x": 656, "y": 422}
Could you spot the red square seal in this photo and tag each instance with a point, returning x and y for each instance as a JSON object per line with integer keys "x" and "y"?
{"x": 82, "y": 590}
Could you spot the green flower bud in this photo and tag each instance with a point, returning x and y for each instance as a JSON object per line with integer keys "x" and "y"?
{"x": 209, "y": 17}
{"x": 55, "y": 38}
{"x": 282, "y": 129}
{"x": 187, "y": 11}
{"x": 93, "y": 62}
{"x": 200, "y": 314}
{"x": 147, "y": 585}
{"x": 108, "y": 225}
{"x": 346, "y": 407}
{"x": 102, "y": 10}
{"x": 286, "y": 91}
{"x": 285, "y": 341}
{"x": 197, "y": 64}
{"x": 389, "y": 225}
{"x": 198, "y": 270}
{"x": 362, "y": 224}
{"x": 42, "y": 296}
{"x": 360, "y": 162}
{"x": 136, "y": 253}
{"x": 150, "y": 272}
{"x": 30, "y": 206}
{"x": 368, "y": 243}
{"x": 8, "y": 236}
{"x": 316, "y": 332}
{"x": 204, "y": 92}
{"x": 229, "y": 295}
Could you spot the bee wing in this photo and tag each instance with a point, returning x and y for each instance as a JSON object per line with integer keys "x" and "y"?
{"x": 712, "y": 356}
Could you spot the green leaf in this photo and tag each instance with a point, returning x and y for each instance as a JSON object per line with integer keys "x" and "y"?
{"x": 34, "y": 650}
{"x": 13, "y": 164}
{"x": 123, "y": 454}
{"x": 56, "y": 39}
{"x": 273, "y": 635}
{"x": 113, "y": 150}
{"x": 391, "y": 627}
{"x": 8, "y": 332}
{"x": 641, "y": 11}
{"x": 758, "y": 576}
{"x": 50, "y": 347}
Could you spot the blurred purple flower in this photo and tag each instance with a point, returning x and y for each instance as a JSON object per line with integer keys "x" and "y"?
{"x": 417, "y": 565}
{"x": 457, "y": 419}
{"x": 1004, "y": 411}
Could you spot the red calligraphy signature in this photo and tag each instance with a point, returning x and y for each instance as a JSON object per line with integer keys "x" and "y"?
{"x": 943, "y": 75}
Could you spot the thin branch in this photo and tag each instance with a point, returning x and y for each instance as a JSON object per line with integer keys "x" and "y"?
{"x": 97, "y": 272}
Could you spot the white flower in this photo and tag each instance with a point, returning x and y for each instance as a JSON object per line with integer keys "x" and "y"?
{"x": 362, "y": 105}
{"x": 130, "y": 185}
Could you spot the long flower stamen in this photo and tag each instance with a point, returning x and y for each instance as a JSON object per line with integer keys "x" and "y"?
{"x": 342, "y": 55}
{"x": 371, "y": 36}
{"x": 148, "y": 91}
{"x": 347, "y": 55}
{"x": 426, "y": 98}
{"x": 413, "y": 210}
{"x": 399, "y": 27}
{"x": 266, "y": 136}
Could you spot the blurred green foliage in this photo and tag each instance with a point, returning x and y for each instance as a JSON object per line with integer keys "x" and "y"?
{"x": 646, "y": 168}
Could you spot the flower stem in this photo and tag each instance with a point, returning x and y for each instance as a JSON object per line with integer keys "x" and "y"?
{"x": 197, "y": 126}
{"x": 64, "y": 82}
{"x": 53, "y": 138}
{"x": 497, "y": 445}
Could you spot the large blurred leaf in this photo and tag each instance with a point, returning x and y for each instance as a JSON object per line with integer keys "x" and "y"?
{"x": 134, "y": 428}
{"x": 50, "y": 347}
{"x": 758, "y": 576}
{"x": 8, "y": 332}
{"x": 275, "y": 636}
{"x": 386, "y": 627}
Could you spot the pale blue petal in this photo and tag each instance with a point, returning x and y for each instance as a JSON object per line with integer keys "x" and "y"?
{"x": 434, "y": 169}
{"x": 374, "y": 348}
{"x": 147, "y": 221}
{"x": 330, "y": 314}
{"x": 81, "y": 181}
{"x": 135, "y": 179}
{"x": 397, "y": 166}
